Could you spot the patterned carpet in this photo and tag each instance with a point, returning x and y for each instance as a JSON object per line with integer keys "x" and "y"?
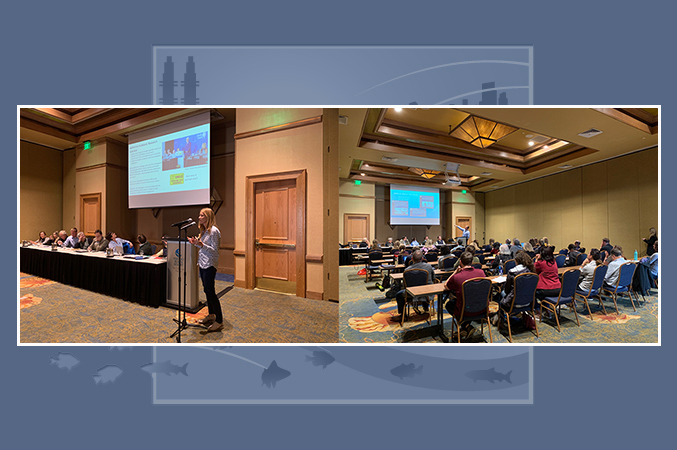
{"x": 363, "y": 320}
{"x": 52, "y": 312}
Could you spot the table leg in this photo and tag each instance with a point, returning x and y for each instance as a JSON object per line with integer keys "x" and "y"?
{"x": 440, "y": 314}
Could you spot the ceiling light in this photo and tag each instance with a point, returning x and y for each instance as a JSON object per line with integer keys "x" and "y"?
{"x": 480, "y": 132}
{"x": 531, "y": 143}
{"x": 485, "y": 174}
{"x": 545, "y": 147}
{"x": 398, "y": 109}
{"x": 362, "y": 174}
{"x": 529, "y": 136}
{"x": 566, "y": 166}
{"x": 425, "y": 173}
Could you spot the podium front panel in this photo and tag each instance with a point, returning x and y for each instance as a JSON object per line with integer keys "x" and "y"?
{"x": 192, "y": 273}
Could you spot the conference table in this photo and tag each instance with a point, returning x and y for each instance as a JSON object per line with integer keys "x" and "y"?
{"x": 142, "y": 281}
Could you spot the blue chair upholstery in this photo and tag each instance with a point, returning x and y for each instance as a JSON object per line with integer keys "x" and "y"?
{"x": 448, "y": 263}
{"x": 566, "y": 295}
{"x": 372, "y": 267}
{"x": 509, "y": 264}
{"x": 595, "y": 288}
{"x": 560, "y": 260}
{"x": 624, "y": 284}
{"x": 410, "y": 278}
{"x": 582, "y": 257}
{"x": 153, "y": 249}
{"x": 475, "y": 305}
{"x": 431, "y": 256}
{"x": 522, "y": 301}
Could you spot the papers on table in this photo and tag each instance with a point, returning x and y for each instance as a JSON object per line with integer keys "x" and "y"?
{"x": 500, "y": 279}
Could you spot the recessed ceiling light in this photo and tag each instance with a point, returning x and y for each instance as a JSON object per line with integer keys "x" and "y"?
{"x": 486, "y": 174}
{"x": 398, "y": 109}
{"x": 529, "y": 135}
{"x": 531, "y": 143}
{"x": 545, "y": 147}
{"x": 566, "y": 166}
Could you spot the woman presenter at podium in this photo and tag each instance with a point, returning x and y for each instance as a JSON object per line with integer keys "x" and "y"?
{"x": 208, "y": 259}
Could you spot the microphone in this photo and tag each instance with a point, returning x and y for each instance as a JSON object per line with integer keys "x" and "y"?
{"x": 188, "y": 225}
{"x": 183, "y": 222}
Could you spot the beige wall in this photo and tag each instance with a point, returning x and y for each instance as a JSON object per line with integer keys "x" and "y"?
{"x": 69, "y": 189}
{"x": 41, "y": 190}
{"x": 300, "y": 148}
{"x": 616, "y": 199}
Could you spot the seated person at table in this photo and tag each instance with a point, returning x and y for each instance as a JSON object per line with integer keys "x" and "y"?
{"x": 389, "y": 242}
{"x": 72, "y": 239}
{"x": 415, "y": 243}
{"x": 445, "y": 252}
{"x": 42, "y": 237}
{"x": 469, "y": 249}
{"x": 439, "y": 241}
{"x": 653, "y": 261}
{"x": 162, "y": 253}
{"x": 51, "y": 239}
{"x": 63, "y": 236}
{"x": 529, "y": 248}
{"x": 495, "y": 248}
{"x": 99, "y": 243}
{"x": 144, "y": 245}
{"x": 364, "y": 243}
{"x": 577, "y": 245}
{"x": 588, "y": 267}
{"x": 605, "y": 248}
{"x": 117, "y": 243}
{"x": 516, "y": 247}
{"x": 404, "y": 241}
{"x": 548, "y": 276}
{"x": 455, "y": 282}
{"x": 83, "y": 242}
{"x": 504, "y": 253}
{"x": 487, "y": 248}
{"x": 572, "y": 256}
{"x": 524, "y": 265}
{"x": 615, "y": 260}
{"x": 417, "y": 263}
{"x": 428, "y": 246}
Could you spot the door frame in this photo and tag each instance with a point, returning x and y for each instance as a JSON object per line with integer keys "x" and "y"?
{"x": 299, "y": 177}
{"x": 83, "y": 199}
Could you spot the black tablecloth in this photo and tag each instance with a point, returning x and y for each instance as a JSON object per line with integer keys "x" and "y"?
{"x": 129, "y": 280}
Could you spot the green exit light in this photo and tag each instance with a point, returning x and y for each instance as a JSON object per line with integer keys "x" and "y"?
{"x": 358, "y": 182}
{"x": 88, "y": 145}
{"x": 464, "y": 191}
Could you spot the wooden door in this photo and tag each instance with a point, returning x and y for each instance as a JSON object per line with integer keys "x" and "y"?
{"x": 90, "y": 213}
{"x": 275, "y": 235}
{"x": 355, "y": 227}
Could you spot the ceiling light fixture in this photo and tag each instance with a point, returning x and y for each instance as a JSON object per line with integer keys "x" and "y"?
{"x": 531, "y": 143}
{"x": 425, "y": 173}
{"x": 398, "y": 109}
{"x": 480, "y": 132}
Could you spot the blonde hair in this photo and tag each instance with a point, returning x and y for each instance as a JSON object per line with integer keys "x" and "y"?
{"x": 211, "y": 220}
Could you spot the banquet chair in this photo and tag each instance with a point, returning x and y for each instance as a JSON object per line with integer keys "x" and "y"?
{"x": 509, "y": 264}
{"x": 410, "y": 278}
{"x": 522, "y": 301}
{"x": 623, "y": 284}
{"x": 582, "y": 257}
{"x": 560, "y": 260}
{"x": 566, "y": 296}
{"x": 595, "y": 288}
{"x": 475, "y": 305}
{"x": 448, "y": 263}
{"x": 372, "y": 267}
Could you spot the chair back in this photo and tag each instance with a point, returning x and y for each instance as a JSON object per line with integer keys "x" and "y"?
{"x": 525, "y": 290}
{"x": 626, "y": 275}
{"x": 560, "y": 260}
{"x": 415, "y": 277}
{"x": 481, "y": 257}
{"x": 582, "y": 257}
{"x": 375, "y": 255}
{"x": 477, "y": 266}
{"x": 431, "y": 256}
{"x": 569, "y": 283}
{"x": 564, "y": 252}
{"x": 153, "y": 249}
{"x": 509, "y": 264}
{"x": 598, "y": 277}
{"x": 448, "y": 263}
{"x": 476, "y": 297}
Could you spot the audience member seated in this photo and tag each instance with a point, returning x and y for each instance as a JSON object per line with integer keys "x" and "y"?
{"x": 495, "y": 248}
{"x": 63, "y": 237}
{"x": 364, "y": 243}
{"x": 572, "y": 256}
{"x": 487, "y": 248}
{"x": 605, "y": 248}
{"x": 72, "y": 239}
{"x": 504, "y": 254}
{"x": 440, "y": 241}
{"x": 588, "y": 267}
{"x": 529, "y": 248}
{"x": 615, "y": 260}
{"x": 445, "y": 252}
{"x": 524, "y": 265}
{"x": 417, "y": 263}
{"x": 42, "y": 237}
{"x": 99, "y": 243}
{"x": 516, "y": 247}
{"x": 415, "y": 243}
{"x": 454, "y": 284}
{"x": 469, "y": 249}
{"x": 144, "y": 245}
{"x": 404, "y": 241}
{"x": 389, "y": 243}
{"x": 548, "y": 276}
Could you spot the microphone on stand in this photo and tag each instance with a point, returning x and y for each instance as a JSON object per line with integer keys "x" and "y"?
{"x": 188, "y": 225}
{"x": 183, "y": 222}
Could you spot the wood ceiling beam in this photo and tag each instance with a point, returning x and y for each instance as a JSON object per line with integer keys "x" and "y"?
{"x": 388, "y": 180}
{"x": 564, "y": 158}
{"x": 46, "y": 129}
{"x": 626, "y": 119}
{"x": 642, "y": 115}
{"x": 120, "y": 126}
{"x": 421, "y": 153}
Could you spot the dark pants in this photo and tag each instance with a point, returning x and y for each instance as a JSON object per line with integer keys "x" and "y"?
{"x": 213, "y": 305}
{"x": 401, "y": 302}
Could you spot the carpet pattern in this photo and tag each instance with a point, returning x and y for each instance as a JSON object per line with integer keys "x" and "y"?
{"x": 70, "y": 315}
{"x": 361, "y": 319}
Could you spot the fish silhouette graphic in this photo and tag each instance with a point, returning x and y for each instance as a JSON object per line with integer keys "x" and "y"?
{"x": 121, "y": 348}
{"x": 107, "y": 374}
{"x": 489, "y": 375}
{"x": 273, "y": 374}
{"x": 321, "y": 358}
{"x": 406, "y": 370}
{"x": 165, "y": 367}
{"x": 64, "y": 361}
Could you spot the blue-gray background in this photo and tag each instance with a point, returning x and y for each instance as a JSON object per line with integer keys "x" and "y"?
{"x": 81, "y": 53}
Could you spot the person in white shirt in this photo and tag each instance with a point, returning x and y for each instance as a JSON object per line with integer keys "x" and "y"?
{"x": 615, "y": 260}
{"x": 72, "y": 239}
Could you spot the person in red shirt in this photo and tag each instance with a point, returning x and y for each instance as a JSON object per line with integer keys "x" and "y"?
{"x": 463, "y": 272}
{"x": 548, "y": 277}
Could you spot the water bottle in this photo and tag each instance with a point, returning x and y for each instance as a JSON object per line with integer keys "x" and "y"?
{"x": 635, "y": 258}
{"x": 500, "y": 270}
